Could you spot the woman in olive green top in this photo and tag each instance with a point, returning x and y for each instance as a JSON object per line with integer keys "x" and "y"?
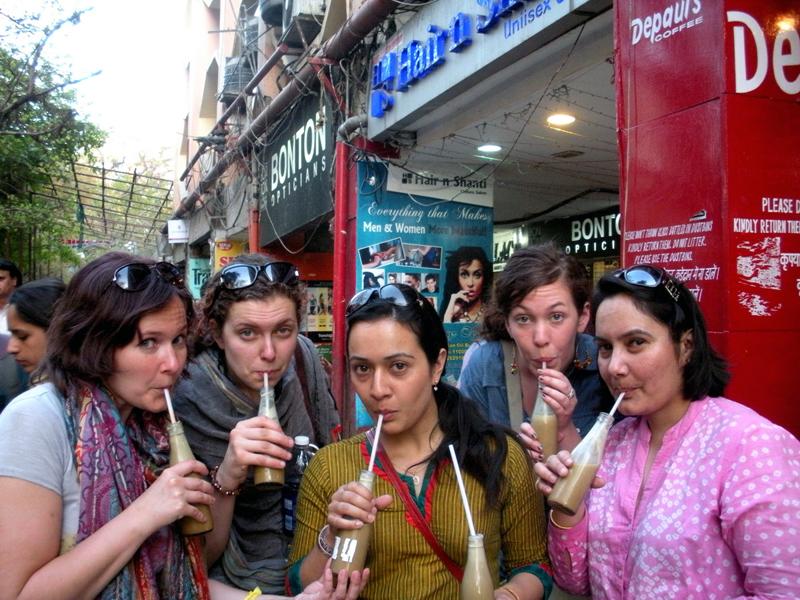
{"x": 397, "y": 349}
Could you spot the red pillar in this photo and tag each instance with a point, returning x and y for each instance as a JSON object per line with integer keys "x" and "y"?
{"x": 254, "y": 231}
{"x": 709, "y": 115}
{"x": 343, "y": 280}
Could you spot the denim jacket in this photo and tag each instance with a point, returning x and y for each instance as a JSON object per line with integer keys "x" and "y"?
{"x": 483, "y": 380}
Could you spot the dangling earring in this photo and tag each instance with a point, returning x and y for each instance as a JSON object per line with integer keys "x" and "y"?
{"x": 514, "y": 365}
{"x": 436, "y": 387}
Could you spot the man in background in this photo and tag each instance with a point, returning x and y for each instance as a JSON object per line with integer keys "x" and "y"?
{"x": 412, "y": 279}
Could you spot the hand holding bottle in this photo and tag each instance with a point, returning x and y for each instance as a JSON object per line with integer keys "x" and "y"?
{"x": 174, "y": 495}
{"x": 531, "y": 442}
{"x": 558, "y": 466}
{"x": 352, "y": 505}
{"x": 558, "y": 393}
{"x": 258, "y": 441}
{"x": 341, "y": 587}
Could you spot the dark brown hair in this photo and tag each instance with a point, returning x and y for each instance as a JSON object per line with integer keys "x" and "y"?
{"x": 706, "y": 371}
{"x": 527, "y": 269}
{"x": 217, "y": 300}
{"x": 95, "y": 317}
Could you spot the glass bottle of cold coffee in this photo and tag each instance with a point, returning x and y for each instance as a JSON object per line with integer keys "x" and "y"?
{"x": 350, "y": 546}
{"x": 179, "y": 450}
{"x": 268, "y": 477}
{"x": 545, "y": 423}
{"x": 477, "y": 582}
{"x": 568, "y": 492}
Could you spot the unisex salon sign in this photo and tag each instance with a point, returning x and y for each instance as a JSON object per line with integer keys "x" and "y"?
{"x": 448, "y": 46}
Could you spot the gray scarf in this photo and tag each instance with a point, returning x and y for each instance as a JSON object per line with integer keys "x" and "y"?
{"x": 210, "y": 405}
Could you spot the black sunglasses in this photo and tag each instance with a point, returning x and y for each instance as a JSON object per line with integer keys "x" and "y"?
{"x": 398, "y": 294}
{"x": 135, "y": 277}
{"x": 650, "y": 277}
{"x": 238, "y": 276}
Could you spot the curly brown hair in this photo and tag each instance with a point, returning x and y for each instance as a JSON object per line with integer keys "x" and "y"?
{"x": 527, "y": 269}
{"x": 217, "y": 300}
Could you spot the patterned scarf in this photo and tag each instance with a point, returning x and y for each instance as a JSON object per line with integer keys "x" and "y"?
{"x": 116, "y": 462}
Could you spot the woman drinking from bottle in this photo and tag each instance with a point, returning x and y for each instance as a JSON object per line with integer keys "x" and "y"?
{"x": 87, "y": 503}
{"x": 397, "y": 349}
{"x": 248, "y": 333}
{"x": 533, "y": 337}
{"x": 696, "y": 496}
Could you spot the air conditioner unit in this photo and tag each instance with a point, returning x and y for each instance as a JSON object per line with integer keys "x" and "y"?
{"x": 302, "y": 21}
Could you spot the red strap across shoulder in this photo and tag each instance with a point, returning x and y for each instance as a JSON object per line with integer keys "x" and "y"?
{"x": 413, "y": 511}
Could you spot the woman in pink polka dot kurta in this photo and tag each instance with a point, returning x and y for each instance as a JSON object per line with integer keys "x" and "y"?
{"x": 697, "y": 496}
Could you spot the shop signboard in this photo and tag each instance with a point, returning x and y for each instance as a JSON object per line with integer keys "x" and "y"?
{"x": 588, "y": 236}
{"x": 199, "y": 270}
{"x": 462, "y": 188}
{"x": 296, "y": 188}
{"x": 711, "y": 183}
{"x": 449, "y": 46}
{"x": 505, "y": 242}
{"x": 418, "y": 240}
{"x": 225, "y": 251}
{"x": 177, "y": 231}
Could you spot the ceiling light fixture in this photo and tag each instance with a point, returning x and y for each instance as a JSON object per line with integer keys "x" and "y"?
{"x": 489, "y": 148}
{"x": 560, "y": 119}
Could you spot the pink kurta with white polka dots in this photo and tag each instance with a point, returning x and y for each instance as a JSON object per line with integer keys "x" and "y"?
{"x": 719, "y": 515}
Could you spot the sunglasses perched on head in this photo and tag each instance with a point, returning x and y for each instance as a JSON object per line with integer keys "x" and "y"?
{"x": 398, "y": 294}
{"x": 238, "y": 276}
{"x": 650, "y": 277}
{"x": 134, "y": 277}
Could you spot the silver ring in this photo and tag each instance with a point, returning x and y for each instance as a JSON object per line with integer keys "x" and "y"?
{"x": 571, "y": 394}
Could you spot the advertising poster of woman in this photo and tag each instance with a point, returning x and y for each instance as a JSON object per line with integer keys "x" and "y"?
{"x": 440, "y": 247}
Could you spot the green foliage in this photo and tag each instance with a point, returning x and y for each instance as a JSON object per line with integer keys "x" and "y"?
{"x": 41, "y": 135}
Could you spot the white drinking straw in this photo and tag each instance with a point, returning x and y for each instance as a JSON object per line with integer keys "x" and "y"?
{"x": 169, "y": 405}
{"x": 267, "y": 399}
{"x": 616, "y": 404}
{"x": 375, "y": 442}
{"x": 462, "y": 490}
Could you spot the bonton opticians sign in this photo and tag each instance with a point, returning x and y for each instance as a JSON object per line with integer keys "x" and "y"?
{"x": 296, "y": 188}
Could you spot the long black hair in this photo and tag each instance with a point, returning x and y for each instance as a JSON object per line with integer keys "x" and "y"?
{"x": 481, "y": 446}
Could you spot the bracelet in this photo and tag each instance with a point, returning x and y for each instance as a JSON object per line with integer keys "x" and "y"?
{"x": 510, "y": 591}
{"x": 322, "y": 541}
{"x": 219, "y": 488}
{"x": 556, "y": 525}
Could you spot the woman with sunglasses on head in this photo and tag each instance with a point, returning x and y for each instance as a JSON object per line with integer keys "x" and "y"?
{"x": 248, "y": 329}
{"x": 697, "y": 496}
{"x": 88, "y": 503}
{"x": 532, "y": 335}
{"x": 397, "y": 349}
